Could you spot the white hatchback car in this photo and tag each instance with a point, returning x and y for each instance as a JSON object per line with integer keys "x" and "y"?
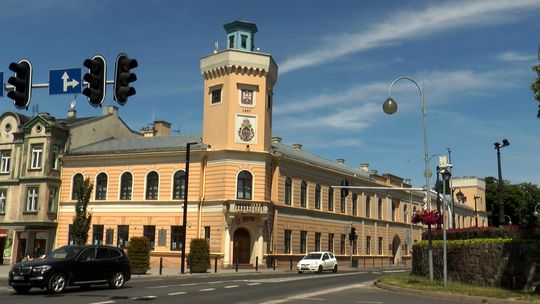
{"x": 317, "y": 262}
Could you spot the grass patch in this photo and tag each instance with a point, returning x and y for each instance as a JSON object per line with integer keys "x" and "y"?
{"x": 423, "y": 283}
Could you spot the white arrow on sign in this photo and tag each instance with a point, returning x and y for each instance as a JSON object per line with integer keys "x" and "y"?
{"x": 67, "y": 83}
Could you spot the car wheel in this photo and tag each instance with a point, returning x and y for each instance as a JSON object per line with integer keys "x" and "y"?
{"x": 335, "y": 269}
{"x": 57, "y": 283}
{"x": 22, "y": 289}
{"x": 117, "y": 280}
{"x": 320, "y": 269}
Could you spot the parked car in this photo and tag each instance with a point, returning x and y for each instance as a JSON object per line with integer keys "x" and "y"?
{"x": 318, "y": 262}
{"x": 81, "y": 265}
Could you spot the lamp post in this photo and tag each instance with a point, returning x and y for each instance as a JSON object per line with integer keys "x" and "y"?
{"x": 476, "y": 196}
{"x": 184, "y": 219}
{"x": 390, "y": 107}
{"x": 446, "y": 174}
{"x": 498, "y": 147}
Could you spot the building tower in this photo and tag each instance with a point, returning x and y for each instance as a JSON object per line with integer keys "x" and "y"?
{"x": 238, "y": 84}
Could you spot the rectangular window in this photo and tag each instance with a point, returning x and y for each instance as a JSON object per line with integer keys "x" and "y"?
{"x": 53, "y": 199}
{"x": 303, "y": 241}
{"x": 317, "y": 241}
{"x": 32, "y": 199}
{"x": 330, "y": 200}
{"x": 287, "y": 242}
{"x": 231, "y": 41}
{"x": 368, "y": 206}
{"x": 342, "y": 244}
{"x": 149, "y": 232}
{"x": 331, "y": 242}
{"x": 3, "y": 195}
{"x": 177, "y": 233}
{"x": 37, "y": 153}
{"x": 123, "y": 236}
{"x": 355, "y": 205}
{"x": 243, "y": 40}
{"x": 55, "y": 163}
{"x": 207, "y": 233}
{"x": 216, "y": 95}
{"x": 380, "y": 246}
{"x": 342, "y": 203}
{"x": 368, "y": 244}
{"x": 97, "y": 234}
{"x": 379, "y": 209}
{"x": 109, "y": 236}
{"x": 5, "y": 159}
{"x": 71, "y": 238}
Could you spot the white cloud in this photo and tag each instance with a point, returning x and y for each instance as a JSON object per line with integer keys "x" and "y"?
{"x": 411, "y": 24}
{"x": 515, "y": 57}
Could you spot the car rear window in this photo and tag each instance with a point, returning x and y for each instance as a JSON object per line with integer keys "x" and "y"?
{"x": 115, "y": 253}
{"x": 102, "y": 253}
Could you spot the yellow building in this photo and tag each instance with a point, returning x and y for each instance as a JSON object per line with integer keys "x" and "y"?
{"x": 255, "y": 199}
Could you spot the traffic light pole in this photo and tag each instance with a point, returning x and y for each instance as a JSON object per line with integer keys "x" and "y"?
{"x": 8, "y": 87}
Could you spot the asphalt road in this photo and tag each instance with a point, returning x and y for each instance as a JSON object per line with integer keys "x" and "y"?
{"x": 262, "y": 288}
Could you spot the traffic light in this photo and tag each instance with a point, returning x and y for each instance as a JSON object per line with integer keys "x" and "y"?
{"x": 123, "y": 77}
{"x": 22, "y": 81}
{"x": 352, "y": 234}
{"x": 96, "y": 78}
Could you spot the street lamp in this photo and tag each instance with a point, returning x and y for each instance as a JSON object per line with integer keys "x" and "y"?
{"x": 390, "y": 107}
{"x": 184, "y": 219}
{"x": 509, "y": 219}
{"x": 446, "y": 174}
{"x": 476, "y": 196}
{"x": 498, "y": 146}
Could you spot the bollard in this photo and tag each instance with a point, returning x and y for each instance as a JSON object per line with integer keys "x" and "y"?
{"x": 290, "y": 263}
{"x": 215, "y": 265}
{"x": 257, "y": 263}
{"x": 237, "y": 261}
{"x": 160, "y": 265}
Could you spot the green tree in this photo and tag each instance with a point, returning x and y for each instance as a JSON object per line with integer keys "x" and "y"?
{"x": 535, "y": 86}
{"x": 82, "y": 219}
{"x": 138, "y": 251}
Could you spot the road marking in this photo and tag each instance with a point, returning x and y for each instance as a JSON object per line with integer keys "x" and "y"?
{"x": 391, "y": 271}
{"x": 144, "y": 298}
{"x": 186, "y": 284}
{"x": 177, "y": 293}
{"x": 231, "y": 286}
{"x": 253, "y": 284}
{"x": 207, "y": 289}
{"x": 314, "y": 294}
{"x": 215, "y": 282}
{"x": 106, "y": 302}
{"x": 157, "y": 287}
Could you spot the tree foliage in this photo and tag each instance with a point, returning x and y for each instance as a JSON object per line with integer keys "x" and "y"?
{"x": 535, "y": 86}
{"x": 138, "y": 251}
{"x": 519, "y": 200}
{"x": 82, "y": 219}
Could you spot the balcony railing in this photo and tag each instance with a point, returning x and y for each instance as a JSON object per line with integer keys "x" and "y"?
{"x": 247, "y": 207}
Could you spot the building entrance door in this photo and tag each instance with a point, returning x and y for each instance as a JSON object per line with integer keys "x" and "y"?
{"x": 242, "y": 249}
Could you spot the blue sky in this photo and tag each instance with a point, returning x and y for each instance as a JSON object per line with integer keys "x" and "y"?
{"x": 336, "y": 61}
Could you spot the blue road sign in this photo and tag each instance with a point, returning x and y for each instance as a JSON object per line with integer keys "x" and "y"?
{"x": 2, "y": 82}
{"x": 66, "y": 81}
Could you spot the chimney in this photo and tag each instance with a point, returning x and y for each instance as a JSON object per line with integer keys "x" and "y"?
{"x": 148, "y": 131}
{"x": 162, "y": 128}
{"x": 276, "y": 140}
{"x": 109, "y": 110}
{"x": 407, "y": 181}
{"x": 340, "y": 161}
{"x": 297, "y": 146}
{"x": 373, "y": 172}
{"x": 364, "y": 167}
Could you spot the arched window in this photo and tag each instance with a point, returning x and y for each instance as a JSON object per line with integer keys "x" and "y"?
{"x": 405, "y": 214}
{"x": 244, "y": 185}
{"x": 77, "y": 180}
{"x": 179, "y": 184}
{"x": 355, "y": 204}
{"x": 318, "y": 196}
{"x": 101, "y": 186}
{"x": 394, "y": 209}
{"x": 303, "y": 194}
{"x": 368, "y": 206}
{"x": 288, "y": 191}
{"x": 126, "y": 186}
{"x": 152, "y": 185}
{"x": 380, "y": 209}
{"x": 330, "y": 199}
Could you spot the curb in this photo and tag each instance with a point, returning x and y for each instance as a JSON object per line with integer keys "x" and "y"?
{"x": 451, "y": 296}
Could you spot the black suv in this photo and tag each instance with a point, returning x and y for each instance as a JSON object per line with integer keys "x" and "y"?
{"x": 81, "y": 265}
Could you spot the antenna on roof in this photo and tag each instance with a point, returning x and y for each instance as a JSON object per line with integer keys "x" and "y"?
{"x": 73, "y": 103}
{"x": 216, "y": 47}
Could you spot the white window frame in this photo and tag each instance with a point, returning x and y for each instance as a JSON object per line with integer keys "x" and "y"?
{"x": 3, "y": 196}
{"x": 53, "y": 199}
{"x": 32, "y": 196}
{"x": 55, "y": 158}
{"x": 5, "y": 161}
{"x": 37, "y": 153}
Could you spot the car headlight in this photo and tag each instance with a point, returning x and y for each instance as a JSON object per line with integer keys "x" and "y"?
{"x": 40, "y": 269}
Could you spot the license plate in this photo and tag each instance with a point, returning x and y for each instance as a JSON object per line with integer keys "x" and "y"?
{"x": 18, "y": 278}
